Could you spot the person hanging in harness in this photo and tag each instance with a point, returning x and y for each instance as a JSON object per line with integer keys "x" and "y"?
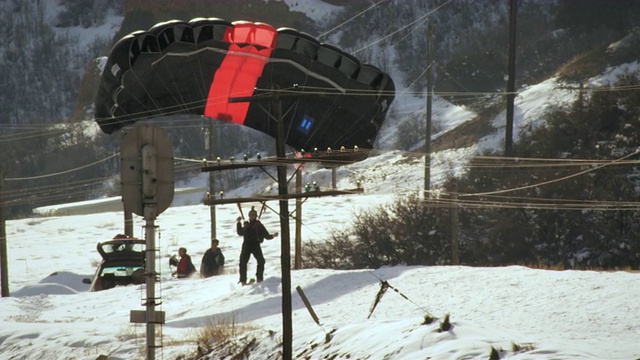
{"x": 254, "y": 233}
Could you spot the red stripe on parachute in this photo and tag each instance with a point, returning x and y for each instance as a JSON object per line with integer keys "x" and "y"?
{"x": 249, "y": 52}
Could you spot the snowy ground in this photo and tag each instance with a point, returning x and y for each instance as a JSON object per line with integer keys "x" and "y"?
{"x": 550, "y": 314}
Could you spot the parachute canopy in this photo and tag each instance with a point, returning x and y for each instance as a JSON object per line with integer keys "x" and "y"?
{"x": 328, "y": 98}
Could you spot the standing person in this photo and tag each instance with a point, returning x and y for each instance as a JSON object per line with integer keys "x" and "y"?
{"x": 254, "y": 233}
{"x": 212, "y": 260}
{"x": 185, "y": 266}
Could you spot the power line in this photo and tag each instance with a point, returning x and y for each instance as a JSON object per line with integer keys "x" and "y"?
{"x": 63, "y": 172}
{"x": 421, "y": 20}
{"x": 350, "y": 19}
{"x": 554, "y": 180}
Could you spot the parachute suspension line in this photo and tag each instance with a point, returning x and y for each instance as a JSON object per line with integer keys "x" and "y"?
{"x": 203, "y": 88}
{"x": 157, "y": 106}
{"x": 262, "y": 209}
{"x": 292, "y": 109}
{"x": 182, "y": 104}
{"x": 202, "y": 82}
{"x": 349, "y": 129}
{"x": 180, "y": 101}
{"x": 322, "y": 120}
{"x": 352, "y": 126}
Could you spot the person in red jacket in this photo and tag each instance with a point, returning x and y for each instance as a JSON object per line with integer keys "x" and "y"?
{"x": 185, "y": 266}
{"x": 254, "y": 233}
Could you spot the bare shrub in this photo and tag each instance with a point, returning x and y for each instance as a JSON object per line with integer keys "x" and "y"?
{"x": 405, "y": 232}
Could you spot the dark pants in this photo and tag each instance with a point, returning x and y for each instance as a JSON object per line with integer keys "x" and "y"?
{"x": 249, "y": 249}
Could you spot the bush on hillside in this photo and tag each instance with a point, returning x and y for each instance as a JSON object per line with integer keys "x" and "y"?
{"x": 405, "y": 232}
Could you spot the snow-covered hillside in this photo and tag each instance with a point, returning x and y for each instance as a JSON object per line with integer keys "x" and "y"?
{"x": 522, "y": 313}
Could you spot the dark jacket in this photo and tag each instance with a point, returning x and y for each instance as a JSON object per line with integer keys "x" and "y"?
{"x": 253, "y": 231}
{"x": 212, "y": 263}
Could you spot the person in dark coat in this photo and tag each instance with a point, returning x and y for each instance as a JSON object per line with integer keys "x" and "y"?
{"x": 254, "y": 233}
{"x": 185, "y": 266}
{"x": 212, "y": 260}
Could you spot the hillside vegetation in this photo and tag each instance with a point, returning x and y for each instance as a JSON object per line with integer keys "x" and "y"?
{"x": 568, "y": 199}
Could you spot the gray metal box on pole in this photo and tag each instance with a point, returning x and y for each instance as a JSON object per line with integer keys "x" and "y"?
{"x": 153, "y": 184}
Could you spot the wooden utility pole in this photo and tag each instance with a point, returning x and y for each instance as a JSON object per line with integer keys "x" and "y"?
{"x": 285, "y": 247}
{"x": 455, "y": 229}
{"x": 4, "y": 266}
{"x": 427, "y": 139}
{"x": 511, "y": 88}
{"x": 298, "y": 241}
{"x": 212, "y": 208}
{"x": 128, "y": 221}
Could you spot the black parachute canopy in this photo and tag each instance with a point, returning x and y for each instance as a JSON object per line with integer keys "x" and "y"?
{"x": 329, "y": 99}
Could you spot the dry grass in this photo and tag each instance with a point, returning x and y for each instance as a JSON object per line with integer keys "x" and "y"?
{"x": 584, "y": 65}
{"x": 133, "y": 332}
{"x": 559, "y": 267}
{"x": 518, "y": 348}
{"x": 219, "y": 330}
{"x": 468, "y": 133}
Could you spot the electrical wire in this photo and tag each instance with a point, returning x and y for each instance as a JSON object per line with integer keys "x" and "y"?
{"x": 554, "y": 180}
{"x": 420, "y": 20}
{"x": 63, "y": 172}
{"x": 490, "y": 200}
{"x": 350, "y": 19}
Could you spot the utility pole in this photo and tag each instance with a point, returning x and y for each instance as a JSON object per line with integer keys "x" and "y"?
{"x": 212, "y": 208}
{"x": 298, "y": 237}
{"x": 4, "y": 266}
{"x": 511, "y": 88}
{"x": 285, "y": 247}
{"x": 427, "y": 139}
{"x": 455, "y": 228}
{"x": 147, "y": 178}
{"x": 128, "y": 220}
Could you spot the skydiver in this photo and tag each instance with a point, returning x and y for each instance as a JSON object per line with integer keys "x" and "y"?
{"x": 254, "y": 233}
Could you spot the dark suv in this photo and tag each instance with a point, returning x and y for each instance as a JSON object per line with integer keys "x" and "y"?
{"x": 122, "y": 264}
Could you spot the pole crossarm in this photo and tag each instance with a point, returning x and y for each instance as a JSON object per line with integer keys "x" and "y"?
{"x": 333, "y": 158}
{"x": 263, "y": 198}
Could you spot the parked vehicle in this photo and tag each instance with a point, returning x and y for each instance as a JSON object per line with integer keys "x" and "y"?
{"x": 123, "y": 263}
